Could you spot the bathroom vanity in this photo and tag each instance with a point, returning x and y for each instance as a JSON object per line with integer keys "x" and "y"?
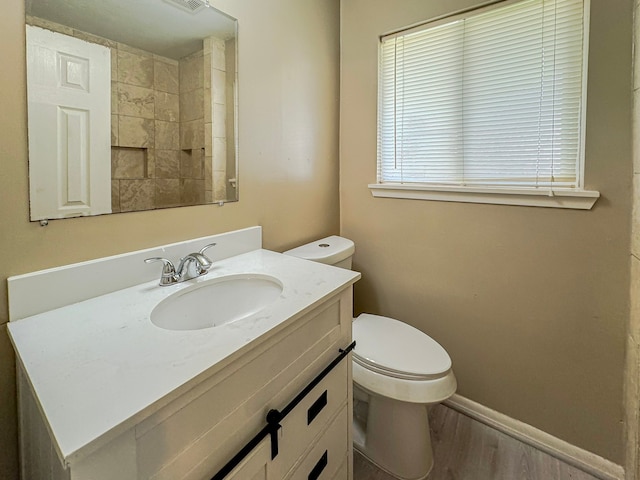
{"x": 105, "y": 393}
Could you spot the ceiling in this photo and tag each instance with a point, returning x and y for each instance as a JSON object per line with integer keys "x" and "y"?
{"x": 157, "y": 26}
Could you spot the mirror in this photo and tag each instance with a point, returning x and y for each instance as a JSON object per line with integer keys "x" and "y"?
{"x": 132, "y": 106}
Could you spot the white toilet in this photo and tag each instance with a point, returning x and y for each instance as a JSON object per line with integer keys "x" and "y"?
{"x": 397, "y": 371}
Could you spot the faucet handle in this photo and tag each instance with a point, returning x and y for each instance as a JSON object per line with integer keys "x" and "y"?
{"x": 204, "y": 261}
{"x": 202, "y": 250}
{"x": 168, "y": 276}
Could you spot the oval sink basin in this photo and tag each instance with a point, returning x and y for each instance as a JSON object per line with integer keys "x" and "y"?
{"x": 216, "y": 302}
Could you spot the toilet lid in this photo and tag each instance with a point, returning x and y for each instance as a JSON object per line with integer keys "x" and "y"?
{"x": 394, "y": 348}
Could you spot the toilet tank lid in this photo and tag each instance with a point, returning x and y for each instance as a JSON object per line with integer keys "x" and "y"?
{"x": 329, "y": 250}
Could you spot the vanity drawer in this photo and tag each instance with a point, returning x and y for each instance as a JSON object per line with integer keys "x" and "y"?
{"x": 343, "y": 471}
{"x": 310, "y": 417}
{"x": 327, "y": 455}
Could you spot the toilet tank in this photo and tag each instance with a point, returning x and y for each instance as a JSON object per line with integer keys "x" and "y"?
{"x": 333, "y": 250}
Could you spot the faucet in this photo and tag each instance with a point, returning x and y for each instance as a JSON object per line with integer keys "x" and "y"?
{"x": 191, "y": 266}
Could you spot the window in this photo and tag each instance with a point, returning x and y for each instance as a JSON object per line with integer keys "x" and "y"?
{"x": 488, "y": 103}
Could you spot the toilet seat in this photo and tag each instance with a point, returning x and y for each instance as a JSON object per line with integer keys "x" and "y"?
{"x": 394, "y": 348}
{"x": 391, "y": 373}
{"x": 399, "y": 361}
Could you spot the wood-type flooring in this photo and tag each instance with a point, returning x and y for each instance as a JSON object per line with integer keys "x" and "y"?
{"x": 465, "y": 449}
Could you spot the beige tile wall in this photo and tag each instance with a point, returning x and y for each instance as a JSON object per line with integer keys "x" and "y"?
{"x": 148, "y": 113}
{"x": 192, "y": 128}
{"x": 208, "y": 121}
{"x": 231, "y": 107}
{"x": 215, "y": 119}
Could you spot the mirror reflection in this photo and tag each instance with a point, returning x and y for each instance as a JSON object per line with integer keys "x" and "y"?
{"x": 132, "y": 105}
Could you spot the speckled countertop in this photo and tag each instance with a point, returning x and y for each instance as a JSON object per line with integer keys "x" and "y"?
{"x": 100, "y": 366}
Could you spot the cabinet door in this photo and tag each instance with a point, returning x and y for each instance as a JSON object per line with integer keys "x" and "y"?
{"x": 211, "y": 428}
{"x": 256, "y": 465}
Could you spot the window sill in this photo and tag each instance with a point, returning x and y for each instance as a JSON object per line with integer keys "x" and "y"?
{"x": 530, "y": 197}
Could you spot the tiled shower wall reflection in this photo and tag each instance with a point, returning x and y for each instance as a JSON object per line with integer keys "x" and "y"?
{"x": 145, "y": 130}
{"x": 161, "y": 154}
{"x": 192, "y": 128}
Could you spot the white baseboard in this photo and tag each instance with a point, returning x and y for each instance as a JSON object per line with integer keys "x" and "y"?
{"x": 589, "y": 462}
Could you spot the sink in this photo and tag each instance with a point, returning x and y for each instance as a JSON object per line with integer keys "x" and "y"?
{"x": 216, "y": 302}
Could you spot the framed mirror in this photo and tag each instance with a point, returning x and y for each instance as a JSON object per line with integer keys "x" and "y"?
{"x": 132, "y": 106}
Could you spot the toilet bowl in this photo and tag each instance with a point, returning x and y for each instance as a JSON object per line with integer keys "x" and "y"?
{"x": 397, "y": 372}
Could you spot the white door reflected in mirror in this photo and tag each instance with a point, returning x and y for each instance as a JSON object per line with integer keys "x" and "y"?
{"x": 69, "y": 147}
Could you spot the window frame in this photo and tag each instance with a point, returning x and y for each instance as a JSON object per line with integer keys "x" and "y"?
{"x": 543, "y": 196}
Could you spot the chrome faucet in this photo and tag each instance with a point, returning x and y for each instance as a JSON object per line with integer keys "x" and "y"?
{"x": 191, "y": 266}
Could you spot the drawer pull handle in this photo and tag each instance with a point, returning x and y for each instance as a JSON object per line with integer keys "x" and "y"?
{"x": 317, "y": 470}
{"x": 317, "y": 407}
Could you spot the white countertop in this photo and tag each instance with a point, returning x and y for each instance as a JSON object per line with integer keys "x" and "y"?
{"x": 100, "y": 366}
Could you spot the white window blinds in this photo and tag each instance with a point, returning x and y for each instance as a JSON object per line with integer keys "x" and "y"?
{"x": 490, "y": 98}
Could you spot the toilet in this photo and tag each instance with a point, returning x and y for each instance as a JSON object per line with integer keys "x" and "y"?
{"x": 397, "y": 372}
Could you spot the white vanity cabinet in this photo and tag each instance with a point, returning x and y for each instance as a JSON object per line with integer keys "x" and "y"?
{"x": 192, "y": 435}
